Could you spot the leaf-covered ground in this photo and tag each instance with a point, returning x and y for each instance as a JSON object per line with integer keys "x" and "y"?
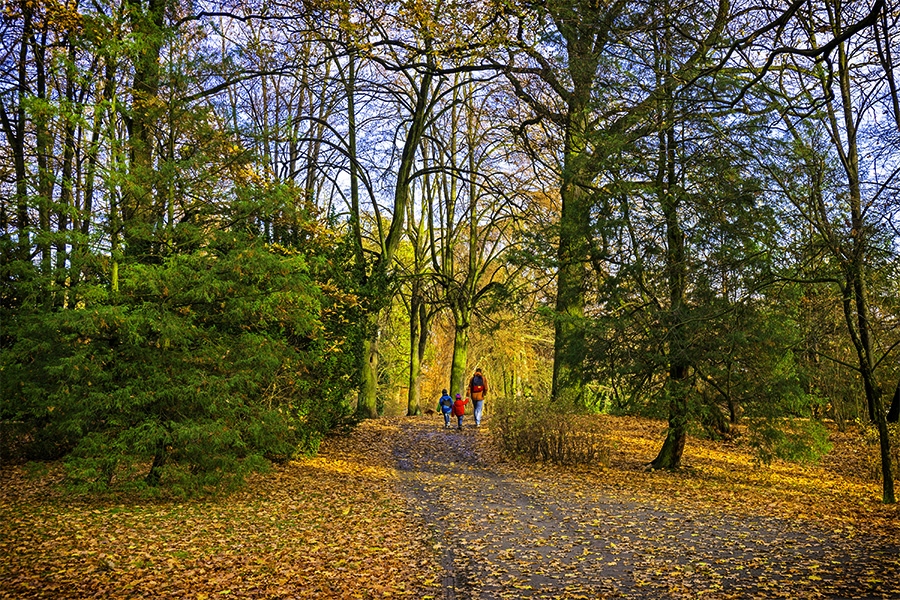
{"x": 720, "y": 528}
{"x": 405, "y": 508}
{"x": 332, "y": 526}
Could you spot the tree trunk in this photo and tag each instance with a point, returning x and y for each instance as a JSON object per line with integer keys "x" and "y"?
{"x": 160, "y": 457}
{"x": 417, "y": 331}
{"x": 856, "y": 282}
{"x": 894, "y": 414}
{"x": 87, "y": 206}
{"x": 416, "y": 382}
{"x": 366, "y": 406}
{"x": 569, "y": 338}
{"x": 355, "y": 227}
{"x": 669, "y": 456}
{"x": 43, "y": 148}
{"x": 419, "y": 314}
{"x": 117, "y": 165}
{"x": 19, "y": 143}
{"x": 460, "y": 351}
{"x": 137, "y": 198}
{"x": 66, "y": 195}
{"x": 14, "y": 128}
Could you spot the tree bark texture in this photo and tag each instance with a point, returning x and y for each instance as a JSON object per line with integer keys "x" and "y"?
{"x": 574, "y": 232}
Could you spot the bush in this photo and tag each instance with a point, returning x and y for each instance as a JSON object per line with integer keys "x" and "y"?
{"x": 534, "y": 430}
{"x": 203, "y": 368}
{"x": 781, "y": 416}
{"x": 804, "y": 440}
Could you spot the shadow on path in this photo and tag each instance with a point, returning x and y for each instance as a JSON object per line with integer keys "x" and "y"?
{"x": 504, "y": 533}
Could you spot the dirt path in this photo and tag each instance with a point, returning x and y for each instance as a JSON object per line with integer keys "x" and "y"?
{"x": 503, "y": 532}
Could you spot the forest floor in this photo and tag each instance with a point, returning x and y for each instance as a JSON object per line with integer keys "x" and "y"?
{"x": 722, "y": 527}
{"x": 403, "y": 508}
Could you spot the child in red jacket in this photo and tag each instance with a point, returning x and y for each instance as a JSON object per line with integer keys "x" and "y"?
{"x": 459, "y": 409}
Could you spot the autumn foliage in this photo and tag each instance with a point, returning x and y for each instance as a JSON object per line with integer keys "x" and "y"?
{"x": 332, "y": 526}
{"x": 401, "y": 508}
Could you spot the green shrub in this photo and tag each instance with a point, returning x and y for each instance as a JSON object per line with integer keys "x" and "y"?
{"x": 803, "y": 440}
{"x": 204, "y": 367}
{"x": 536, "y": 430}
{"x": 780, "y": 416}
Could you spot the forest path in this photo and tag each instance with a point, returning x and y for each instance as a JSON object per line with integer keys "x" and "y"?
{"x": 507, "y": 530}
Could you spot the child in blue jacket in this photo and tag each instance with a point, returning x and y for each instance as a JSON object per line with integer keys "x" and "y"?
{"x": 446, "y": 406}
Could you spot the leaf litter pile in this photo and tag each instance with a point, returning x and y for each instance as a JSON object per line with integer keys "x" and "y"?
{"x": 405, "y": 508}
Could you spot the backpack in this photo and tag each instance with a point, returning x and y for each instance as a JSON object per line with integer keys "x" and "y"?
{"x": 446, "y": 403}
{"x": 477, "y": 383}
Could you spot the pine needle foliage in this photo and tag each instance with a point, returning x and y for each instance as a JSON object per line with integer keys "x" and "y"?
{"x": 204, "y": 367}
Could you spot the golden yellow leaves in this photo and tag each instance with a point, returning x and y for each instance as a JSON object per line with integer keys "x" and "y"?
{"x": 339, "y": 467}
{"x": 720, "y": 528}
{"x": 336, "y": 526}
{"x": 328, "y": 527}
{"x": 52, "y": 15}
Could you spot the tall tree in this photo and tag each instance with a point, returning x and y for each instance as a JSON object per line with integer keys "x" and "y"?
{"x": 851, "y": 233}
{"x": 140, "y": 207}
{"x": 420, "y": 313}
{"x": 418, "y": 104}
{"x": 593, "y": 129}
{"x": 474, "y": 209}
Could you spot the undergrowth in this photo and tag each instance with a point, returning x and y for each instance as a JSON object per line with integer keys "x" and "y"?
{"x": 873, "y": 457}
{"x": 535, "y": 430}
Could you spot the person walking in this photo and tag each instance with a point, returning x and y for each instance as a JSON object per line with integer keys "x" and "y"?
{"x": 445, "y": 404}
{"x": 478, "y": 391}
{"x": 459, "y": 409}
